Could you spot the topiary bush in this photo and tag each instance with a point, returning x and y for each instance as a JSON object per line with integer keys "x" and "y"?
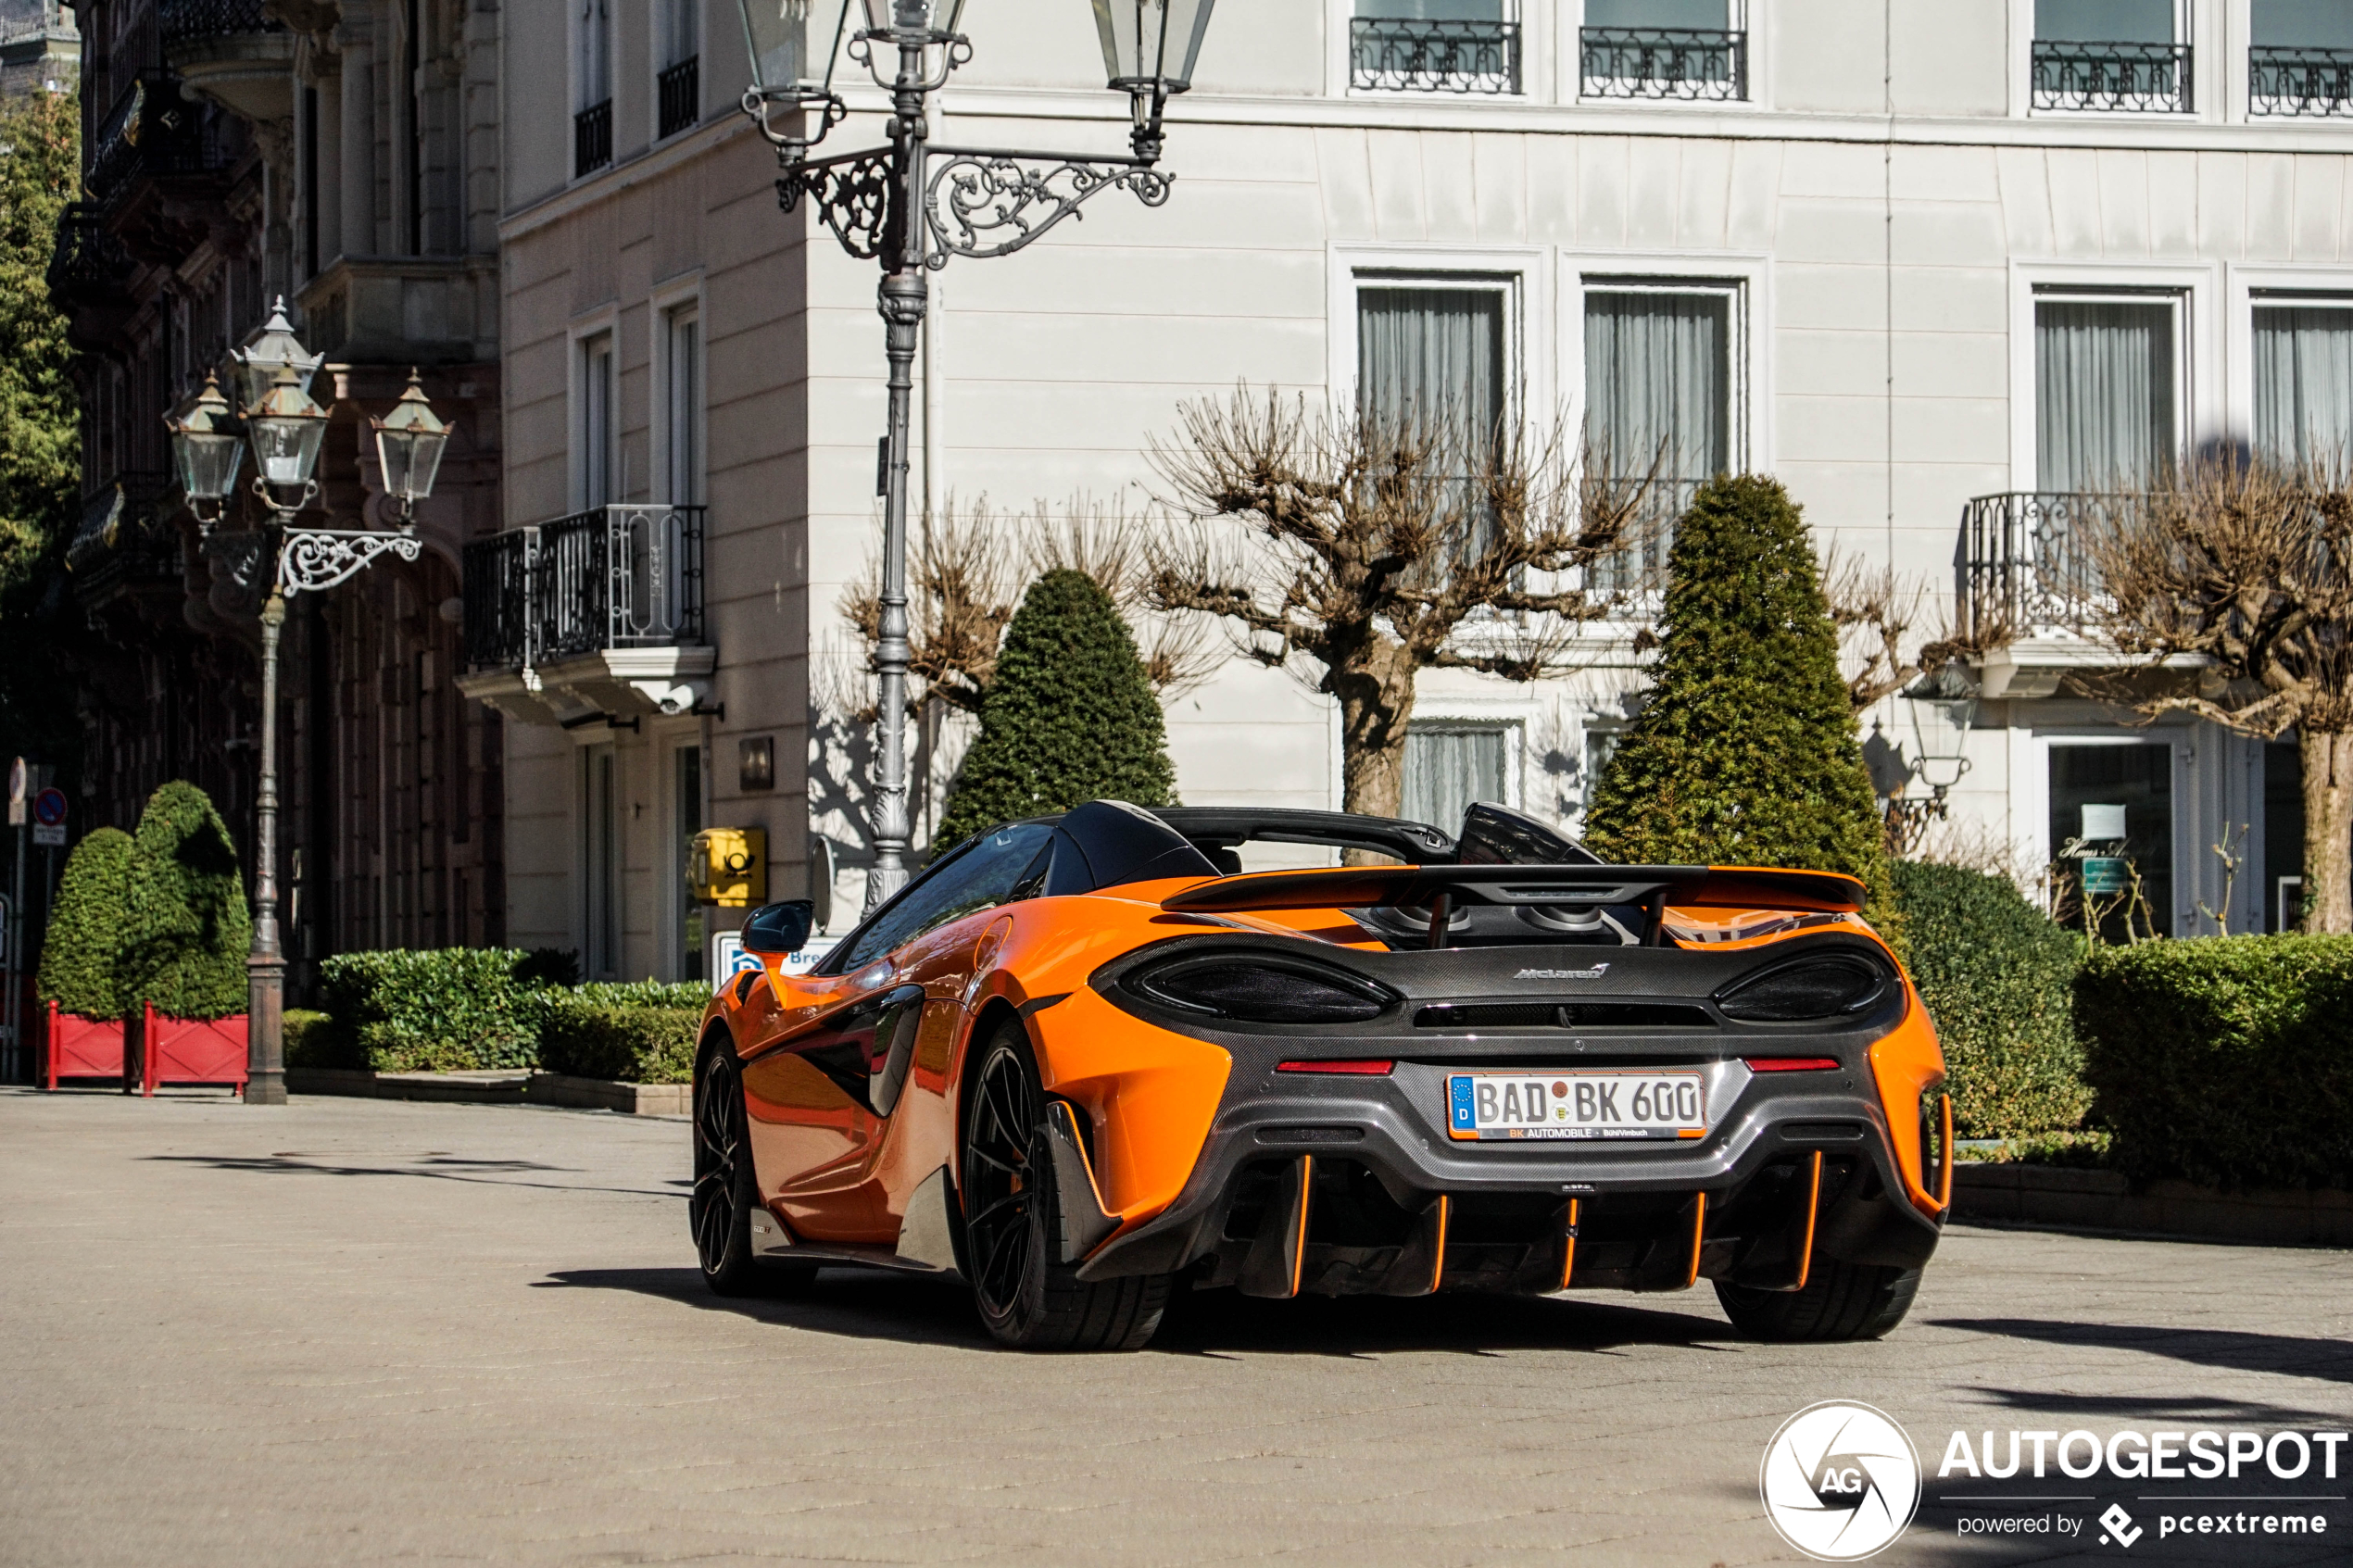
{"x": 1070, "y": 717}
{"x": 79, "y": 960}
{"x": 446, "y": 1011}
{"x": 2226, "y": 1059}
{"x": 310, "y": 1041}
{"x": 1746, "y": 752}
{"x": 186, "y": 931}
{"x": 1997, "y": 977}
{"x": 635, "y": 1045}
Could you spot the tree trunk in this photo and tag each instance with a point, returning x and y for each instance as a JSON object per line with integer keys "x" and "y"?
{"x": 2328, "y": 831}
{"x": 1376, "y": 694}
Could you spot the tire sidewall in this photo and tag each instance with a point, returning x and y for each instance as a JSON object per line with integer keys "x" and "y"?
{"x": 1018, "y": 1320}
{"x": 717, "y": 1073}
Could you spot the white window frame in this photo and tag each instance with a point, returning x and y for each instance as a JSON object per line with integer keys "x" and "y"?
{"x": 1536, "y": 52}
{"x": 1511, "y": 716}
{"x": 2244, "y": 288}
{"x": 599, "y": 744}
{"x": 2197, "y": 343}
{"x": 1742, "y": 16}
{"x": 662, "y": 53}
{"x": 1515, "y": 273}
{"x": 2216, "y": 31}
{"x": 680, "y": 294}
{"x": 2030, "y": 793}
{"x": 670, "y": 739}
{"x": 605, "y": 324}
{"x": 1740, "y": 279}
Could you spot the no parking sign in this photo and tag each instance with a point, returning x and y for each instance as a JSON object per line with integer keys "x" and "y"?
{"x": 49, "y": 817}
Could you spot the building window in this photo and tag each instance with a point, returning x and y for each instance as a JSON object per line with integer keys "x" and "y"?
{"x": 1662, "y": 49}
{"x": 2106, "y": 392}
{"x": 2110, "y": 55}
{"x": 600, "y": 802}
{"x": 592, "y": 86}
{"x": 687, "y": 816}
{"x": 678, "y": 89}
{"x": 1433, "y": 356}
{"x": 1449, "y": 765}
{"x": 683, "y": 405}
{"x": 595, "y": 433}
{"x": 2304, "y": 381}
{"x": 2301, "y": 58}
{"x": 2111, "y": 830}
{"x": 1435, "y": 46}
{"x": 1659, "y": 402}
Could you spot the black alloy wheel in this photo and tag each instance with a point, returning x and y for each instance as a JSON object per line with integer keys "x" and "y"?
{"x": 1012, "y": 1223}
{"x": 725, "y": 1189}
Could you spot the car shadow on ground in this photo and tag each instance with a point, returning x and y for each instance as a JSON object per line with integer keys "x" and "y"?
{"x": 441, "y": 1168}
{"x": 873, "y": 1304}
{"x": 2330, "y": 1361}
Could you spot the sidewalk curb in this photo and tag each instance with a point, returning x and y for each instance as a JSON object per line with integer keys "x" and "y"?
{"x": 513, "y": 1086}
{"x": 2005, "y": 1194}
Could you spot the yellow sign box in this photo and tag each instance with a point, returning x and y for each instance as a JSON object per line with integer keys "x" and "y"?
{"x": 728, "y": 867}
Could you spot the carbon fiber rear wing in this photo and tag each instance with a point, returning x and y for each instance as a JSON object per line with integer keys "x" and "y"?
{"x": 1651, "y": 888}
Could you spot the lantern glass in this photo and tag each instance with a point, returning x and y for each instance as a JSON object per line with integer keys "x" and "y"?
{"x": 207, "y": 463}
{"x": 1151, "y": 45}
{"x": 776, "y": 36}
{"x": 408, "y": 444}
{"x": 285, "y": 447}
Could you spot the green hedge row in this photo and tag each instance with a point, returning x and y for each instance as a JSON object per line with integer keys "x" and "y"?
{"x": 2226, "y": 1060}
{"x": 1996, "y": 975}
{"x": 461, "y": 1009}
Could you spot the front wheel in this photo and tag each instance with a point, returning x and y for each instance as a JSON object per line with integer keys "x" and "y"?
{"x": 1012, "y": 1223}
{"x": 726, "y": 1188}
{"x": 1841, "y": 1301}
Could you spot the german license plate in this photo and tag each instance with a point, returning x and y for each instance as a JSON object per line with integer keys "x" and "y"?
{"x": 1576, "y": 1105}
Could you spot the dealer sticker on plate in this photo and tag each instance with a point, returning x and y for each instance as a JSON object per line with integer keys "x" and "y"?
{"x": 1576, "y": 1105}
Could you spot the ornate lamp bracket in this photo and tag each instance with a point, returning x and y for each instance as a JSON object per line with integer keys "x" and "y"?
{"x": 852, "y": 196}
{"x": 981, "y": 204}
{"x": 312, "y": 560}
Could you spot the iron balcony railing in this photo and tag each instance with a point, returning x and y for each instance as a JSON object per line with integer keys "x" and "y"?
{"x": 183, "y": 21}
{"x": 2025, "y": 565}
{"x": 2299, "y": 81}
{"x": 622, "y": 576}
{"x": 1395, "y": 54}
{"x": 592, "y": 138}
{"x": 680, "y": 90}
{"x": 2152, "y": 77}
{"x": 85, "y": 262}
{"x": 1663, "y": 62}
{"x": 152, "y": 131}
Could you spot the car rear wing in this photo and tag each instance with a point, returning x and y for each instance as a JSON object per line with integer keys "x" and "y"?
{"x": 1651, "y": 888}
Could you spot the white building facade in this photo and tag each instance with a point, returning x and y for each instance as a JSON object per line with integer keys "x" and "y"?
{"x": 1935, "y": 268}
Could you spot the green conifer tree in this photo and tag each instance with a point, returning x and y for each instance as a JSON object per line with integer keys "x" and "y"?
{"x": 78, "y": 957}
{"x": 1070, "y": 717}
{"x": 1746, "y": 753}
{"x": 187, "y": 931}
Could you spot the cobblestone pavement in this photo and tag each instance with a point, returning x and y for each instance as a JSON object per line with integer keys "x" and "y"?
{"x": 350, "y": 1331}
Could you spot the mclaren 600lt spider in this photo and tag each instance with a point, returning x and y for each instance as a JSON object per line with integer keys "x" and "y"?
{"x": 1085, "y": 1061}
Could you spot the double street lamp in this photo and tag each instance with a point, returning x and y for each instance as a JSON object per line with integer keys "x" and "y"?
{"x": 913, "y": 206}
{"x": 285, "y": 428}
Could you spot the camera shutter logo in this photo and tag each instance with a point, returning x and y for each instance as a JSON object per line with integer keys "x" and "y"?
{"x": 1840, "y": 1481}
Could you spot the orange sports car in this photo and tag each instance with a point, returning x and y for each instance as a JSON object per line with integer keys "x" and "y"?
{"x": 1087, "y": 1060}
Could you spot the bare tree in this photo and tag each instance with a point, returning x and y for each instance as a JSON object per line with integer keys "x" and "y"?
{"x": 2246, "y": 569}
{"x": 1378, "y": 547}
{"x": 1884, "y": 647}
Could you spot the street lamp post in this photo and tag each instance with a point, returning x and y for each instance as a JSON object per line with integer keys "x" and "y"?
{"x": 285, "y": 427}
{"x": 913, "y": 206}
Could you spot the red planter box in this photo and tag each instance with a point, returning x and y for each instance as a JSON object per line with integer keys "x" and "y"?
{"x": 83, "y": 1047}
{"x": 188, "y": 1050}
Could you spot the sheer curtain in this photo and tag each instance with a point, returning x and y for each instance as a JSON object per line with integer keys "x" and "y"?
{"x": 1658, "y": 386}
{"x": 2104, "y": 393}
{"x": 1447, "y": 767}
{"x": 2304, "y": 382}
{"x": 1437, "y": 354}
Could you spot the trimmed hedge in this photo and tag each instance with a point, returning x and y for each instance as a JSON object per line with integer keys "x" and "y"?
{"x": 305, "y": 1039}
{"x": 2226, "y": 1059}
{"x": 186, "y": 927}
{"x": 1997, "y": 976}
{"x": 636, "y": 1045}
{"x": 450, "y": 1010}
{"x": 79, "y": 960}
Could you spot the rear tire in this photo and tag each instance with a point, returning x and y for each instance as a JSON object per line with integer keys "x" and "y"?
{"x": 1841, "y": 1301}
{"x": 1012, "y": 1223}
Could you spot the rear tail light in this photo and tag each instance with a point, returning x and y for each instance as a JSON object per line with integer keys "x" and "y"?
{"x": 1364, "y": 1067}
{"x": 1828, "y": 987}
{"x": 1261, "y": 991}
{"x": 1791, "y": 1063}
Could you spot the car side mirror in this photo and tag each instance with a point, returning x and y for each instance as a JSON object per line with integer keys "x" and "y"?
{"x": 780, "y": 928}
